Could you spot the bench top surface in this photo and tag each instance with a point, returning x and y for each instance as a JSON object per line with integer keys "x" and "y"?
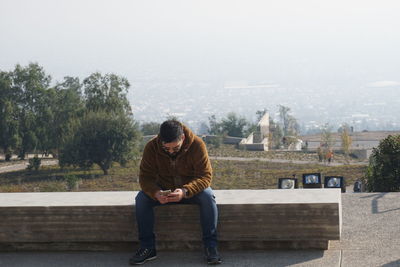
{"x": 122, "y": 198}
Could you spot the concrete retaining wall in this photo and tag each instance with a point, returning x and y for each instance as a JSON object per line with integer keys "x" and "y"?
{"x": 254, "y": 219}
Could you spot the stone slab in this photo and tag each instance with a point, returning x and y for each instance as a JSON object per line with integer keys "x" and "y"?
{"x": 62, "y": 199}
{"x": 295, "y": 219}
{"x": 115, "y": 198}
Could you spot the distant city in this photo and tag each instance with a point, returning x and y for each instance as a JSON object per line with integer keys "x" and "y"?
{"x": 368, "y": 106}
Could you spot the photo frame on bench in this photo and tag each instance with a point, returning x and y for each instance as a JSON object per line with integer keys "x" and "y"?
{"x": 288, "y": 183}
{"x": 312, "y": 180}
{"x": 335, "y": 182}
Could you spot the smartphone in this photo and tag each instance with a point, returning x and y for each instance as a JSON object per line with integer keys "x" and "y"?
{"x": 165, "y": 192}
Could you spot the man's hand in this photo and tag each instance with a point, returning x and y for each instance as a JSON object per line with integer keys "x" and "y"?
{"x": 161, "y": 198}
{"x": 176, "y": 196}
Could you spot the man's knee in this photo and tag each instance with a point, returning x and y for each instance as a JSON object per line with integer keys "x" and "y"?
{"x": 139, "y": 197}
{"x": 142, "y": 199}
{"x": 206, "y": 196}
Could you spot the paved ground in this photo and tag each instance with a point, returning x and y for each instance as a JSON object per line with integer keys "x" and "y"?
{"x": 20, "y": 166}
{"x": 370, "y": 237}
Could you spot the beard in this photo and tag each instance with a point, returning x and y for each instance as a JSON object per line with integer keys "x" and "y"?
{"x": 173, "y": 154}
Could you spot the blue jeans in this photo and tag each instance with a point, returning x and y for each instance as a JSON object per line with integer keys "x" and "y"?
{"x": 208, "y": 217}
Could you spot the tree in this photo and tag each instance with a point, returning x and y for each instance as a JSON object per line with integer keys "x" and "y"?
{"x": 34, "y": 116}
{"x": 30, "y": 84}
{"x": 68, "y": 108}
{"x": 45, "y": 121}
{"x": 150, "y": 128}
{"x": 293, "y": 126}
{"x": 107, "y": 132}
{"x": 275, "y": 134}
{"x": 215, "y": 126}
{"x": 261, "y": 113}
{"x": 30, "y": 110}
{"x": 9, "y": 123}
{"x": 289, "y": 123}
{"x": 101, "y": 138}
{"x": 233, "y": 125}
{"x": 383, "y": 173}
{"x": 346, "y": 140}
{"x": 203, "y": 129}
{"x": 327, "y": 138}
{"x": 107, "y": 93}
{"x": 283, "y": 115}
{"x": 251, "y": 127}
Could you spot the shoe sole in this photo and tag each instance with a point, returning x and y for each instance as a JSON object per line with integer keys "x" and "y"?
{"x": 214, "y": 262}
{"x": 143, "y": 262}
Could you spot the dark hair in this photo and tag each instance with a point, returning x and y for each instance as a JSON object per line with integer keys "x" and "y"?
{"x": 170, "y": 131}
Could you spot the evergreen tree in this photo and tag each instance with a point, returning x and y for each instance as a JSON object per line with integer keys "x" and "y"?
{"x": 107, "y": 132}
{"x": 233, "y": 125}
{"x": 215, "y": 126}
{"x": 383, "y": 173}
{"x": 150, "y": 128}
{"x": 30, "y": 84}
{"x": 275, "y": 134}
{"x": 9, "y": 123}
{"x": 107, "y": 93}
{"x": 68, "y": 108}
{"x": 101, "y": 138}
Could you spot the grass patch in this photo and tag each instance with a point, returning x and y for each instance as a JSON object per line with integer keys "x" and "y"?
{"x": 227, "y": 175}
{"x": 230, "y": 151}
{"x": 264, "y": 175}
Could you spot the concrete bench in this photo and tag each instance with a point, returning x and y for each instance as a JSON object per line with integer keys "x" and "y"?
{"x": 101, "y": 221}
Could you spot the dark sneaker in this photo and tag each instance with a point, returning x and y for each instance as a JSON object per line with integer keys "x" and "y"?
{"x": 142, "y": 255}
{"x": 212, "y": 256}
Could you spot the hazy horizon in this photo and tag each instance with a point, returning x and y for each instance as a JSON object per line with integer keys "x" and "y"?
{"x": 317, "y": 46}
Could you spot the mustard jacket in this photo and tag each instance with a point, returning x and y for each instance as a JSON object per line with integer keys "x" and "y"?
{"x": 191, "y": 169}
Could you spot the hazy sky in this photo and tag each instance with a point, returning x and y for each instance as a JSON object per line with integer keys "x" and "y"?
{"x": 293, "y": 40}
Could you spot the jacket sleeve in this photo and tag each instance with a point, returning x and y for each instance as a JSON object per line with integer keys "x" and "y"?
{"x": 202, "y": 171}
{"x": 148, "y": 171}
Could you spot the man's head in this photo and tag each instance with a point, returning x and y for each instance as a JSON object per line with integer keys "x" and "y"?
{"x": 172, "y": 136}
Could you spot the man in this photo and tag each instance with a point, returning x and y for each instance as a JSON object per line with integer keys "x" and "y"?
{"x": 175, "y": 160}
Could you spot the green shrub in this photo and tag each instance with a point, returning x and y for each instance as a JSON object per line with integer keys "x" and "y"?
{"x": 214, "y": 141}
{"x": 34, "y": 163}
{"x": 71, "y": 180}
{"x": 8, "y": 156}
{"x": 102, "y": 138}
{"x": 383, "y": 173}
